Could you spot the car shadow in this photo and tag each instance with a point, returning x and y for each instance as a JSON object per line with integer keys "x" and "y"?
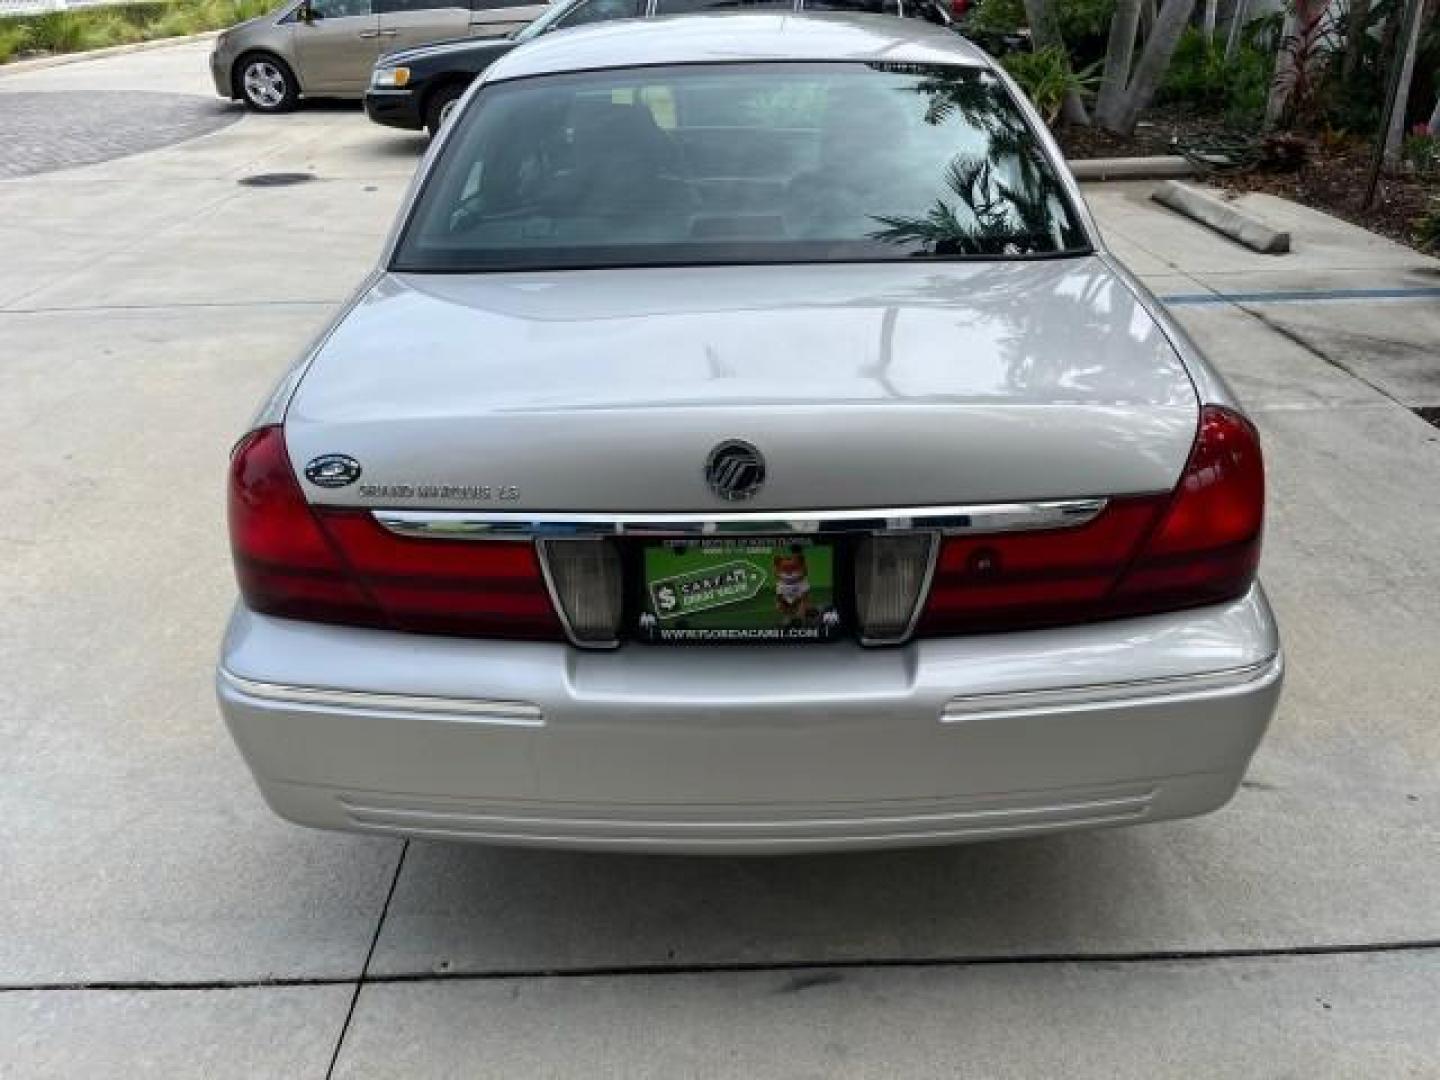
{"x": 466, "y": 908}
{"x": 400, "y": 144}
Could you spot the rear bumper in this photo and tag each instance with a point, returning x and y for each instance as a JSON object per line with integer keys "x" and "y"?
{"x": 752, "y": 749}
{"x": 394, "y": 108}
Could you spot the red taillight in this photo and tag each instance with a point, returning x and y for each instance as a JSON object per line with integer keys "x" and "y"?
{"x": 1199, "y": 545}
{"x": 283, "y": 561}
{"x": 482, "y": 588}
{"x": 959, "y": 8}
{"x": 1207, "y": 548}
{"x": 1013, "y": 580}
{"x": 342, "y": 566}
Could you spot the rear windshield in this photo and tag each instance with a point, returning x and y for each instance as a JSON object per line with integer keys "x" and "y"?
{"x": 738, "y": 163}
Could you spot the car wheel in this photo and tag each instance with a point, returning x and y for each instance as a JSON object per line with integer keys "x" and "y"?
{"x": 442, "y": 107}
{"x": 266, "y": 84}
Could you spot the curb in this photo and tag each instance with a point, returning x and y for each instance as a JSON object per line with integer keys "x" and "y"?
{"x": 1131, "y": 168}
{"x": 39, "y": 63}
{"x": 1225, "y": 218}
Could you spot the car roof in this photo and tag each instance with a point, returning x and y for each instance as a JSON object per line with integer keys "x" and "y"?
{"x": 738, "y": 38}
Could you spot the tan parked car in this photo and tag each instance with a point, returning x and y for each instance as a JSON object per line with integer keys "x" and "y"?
{"x": 326, "y": 48}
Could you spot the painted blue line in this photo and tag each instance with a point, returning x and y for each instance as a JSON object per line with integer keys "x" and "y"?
{"x": 1303, "y": 296}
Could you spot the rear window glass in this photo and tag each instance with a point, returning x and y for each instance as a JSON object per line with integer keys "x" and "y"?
{"x": 738, "y": 163}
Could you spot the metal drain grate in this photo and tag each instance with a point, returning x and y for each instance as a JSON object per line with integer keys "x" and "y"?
{"x": 276, "y": 179}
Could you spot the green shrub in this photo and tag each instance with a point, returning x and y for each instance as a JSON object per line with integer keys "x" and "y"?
{"x": 12, "y": 39}
{"x": 1422, "y": 150}
{"x": 1200, "y": 75}
{"x": 996, "y": 17}
{"x": 120, "y": 24}
{"x": 1077, "y": 20}
{"x": 1427, "y": 228}
{"x": 1046, "y": 77}
{"x": 176, "y": 21}
{"x": 60, "y": 31}
{"x": 112, "y": 28}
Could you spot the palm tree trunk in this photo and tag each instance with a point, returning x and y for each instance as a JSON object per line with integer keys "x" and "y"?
{"x": 1147, "y": 19}
{"x": 1283, "y": 78}
{"x": 1212, "y": 12}
{"x": 1237, "y": 24}
{"x": 1170, "y": 23}
{"x": 1396, "y": 132}
{"x": 1118, "y": 53}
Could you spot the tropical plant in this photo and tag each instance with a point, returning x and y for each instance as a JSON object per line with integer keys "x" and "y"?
{"x": 1082, "y": 23}
{"x": 1047, "y": 79}
{"x": 1427, "y": 228}
{"x": 1202, "y": 74}
{"x": 1422, "y": 151}
{"x": 13, "y": 39}
{"x": 1312, "y": 39}
{"x": 61, "y": 31}
{"x": 1045, "y": 34}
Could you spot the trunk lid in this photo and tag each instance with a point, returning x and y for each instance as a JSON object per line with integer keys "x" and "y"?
{"x": 864, "y": 386}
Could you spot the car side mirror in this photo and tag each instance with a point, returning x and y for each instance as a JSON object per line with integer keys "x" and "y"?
{"x": 306, "y": 14}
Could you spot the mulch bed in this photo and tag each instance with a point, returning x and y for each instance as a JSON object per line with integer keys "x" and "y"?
{"x": 1332, "y": 178}
{"x": 1155, "y": 135}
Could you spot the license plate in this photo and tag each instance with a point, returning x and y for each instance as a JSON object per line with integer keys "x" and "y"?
{"x": 739, "y": 590}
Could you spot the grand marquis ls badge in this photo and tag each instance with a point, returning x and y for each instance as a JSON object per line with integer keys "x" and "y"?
{"x": 735, "y": 470}
{"x": 332, "y": 470}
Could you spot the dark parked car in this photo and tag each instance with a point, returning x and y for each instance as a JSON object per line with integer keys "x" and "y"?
{"x": 418, "y": 88}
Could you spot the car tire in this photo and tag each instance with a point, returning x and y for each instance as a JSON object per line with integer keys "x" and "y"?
{"x": 441, "y": 104}
{"x": 265, "y": 83}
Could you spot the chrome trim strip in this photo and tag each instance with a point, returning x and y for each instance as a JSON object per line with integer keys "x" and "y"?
{"x": 508, "y": 713}
{"x": 1177, "y": 688}
{"x": 523, "y": 525}
{"x": 419, "y": 816}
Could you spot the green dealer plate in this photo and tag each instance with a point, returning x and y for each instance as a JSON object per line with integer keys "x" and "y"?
{"x": 739, "y": 590}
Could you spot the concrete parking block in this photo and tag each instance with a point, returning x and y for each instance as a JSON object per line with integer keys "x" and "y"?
{"x": 1313, "y": 1017}
{"x": 1223, "y": 216}
{"x": 216, "y": 1034}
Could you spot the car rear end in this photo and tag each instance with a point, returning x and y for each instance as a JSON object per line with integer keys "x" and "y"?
{"x": 759, "y": 558}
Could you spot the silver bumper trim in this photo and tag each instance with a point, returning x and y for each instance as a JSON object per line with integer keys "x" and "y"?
{"x": 528, "y": 525}
{"x": 507, "y": 713}
{"x": 1106, "y": 695}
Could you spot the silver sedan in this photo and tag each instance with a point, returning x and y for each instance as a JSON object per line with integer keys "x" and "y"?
{"x": 746, "y": 444}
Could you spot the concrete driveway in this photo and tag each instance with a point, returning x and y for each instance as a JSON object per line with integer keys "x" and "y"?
{"x": 155, "y": 919}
